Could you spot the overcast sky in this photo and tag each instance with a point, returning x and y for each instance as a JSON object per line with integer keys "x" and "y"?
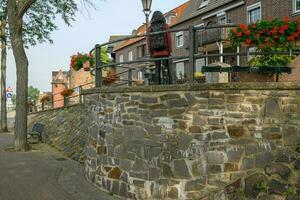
{"x": 112, "y": 17}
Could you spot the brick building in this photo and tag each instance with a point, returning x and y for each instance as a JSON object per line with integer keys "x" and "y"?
{"x": 212, "y": 12}
{"x": 59, "y": 84}
{"x": 135, "y": 49}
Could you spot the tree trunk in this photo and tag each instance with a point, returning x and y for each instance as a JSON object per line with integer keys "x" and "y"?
{"x": 16, "y": 29}
{"x": 3, "y": 75}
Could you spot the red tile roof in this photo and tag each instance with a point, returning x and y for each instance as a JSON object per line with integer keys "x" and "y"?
{"x": 178, "y": 13}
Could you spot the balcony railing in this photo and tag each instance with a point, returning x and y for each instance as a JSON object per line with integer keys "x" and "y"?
{"x": 208, "y": 36}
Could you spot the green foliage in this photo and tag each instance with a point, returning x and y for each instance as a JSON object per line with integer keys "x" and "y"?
{"x": 262, "y": 186}
{"x": 14, "y": 99}
{"x": 271, "y": 60}
{"x": 33, "y": 93}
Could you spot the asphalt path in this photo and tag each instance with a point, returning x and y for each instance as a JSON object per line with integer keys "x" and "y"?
{"x": 42, "y": 174}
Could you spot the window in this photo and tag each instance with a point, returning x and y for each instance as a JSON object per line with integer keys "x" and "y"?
{"x": 296, "y": 6}
{"x": 141, "y": 51}
{"x": 130, "y": 56}
{"x": 222, "y": 19}
{"x": 140, "y": 75}
{"x": 180, "y": 70}
{"x": 179, "y": 39}
{"x": 254, "y": 13}
{"x": 204, "y": 3}
{"x": 251, "y": 50}
{"x": 199, "y": 64}
{"x": 121, "y": 58}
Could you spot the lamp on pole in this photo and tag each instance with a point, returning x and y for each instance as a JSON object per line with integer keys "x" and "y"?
{"x": 147, "y": 11}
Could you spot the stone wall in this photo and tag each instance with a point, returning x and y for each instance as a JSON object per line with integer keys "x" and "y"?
{"x": 64, "y": 129}
{"x": 224, "y": 141}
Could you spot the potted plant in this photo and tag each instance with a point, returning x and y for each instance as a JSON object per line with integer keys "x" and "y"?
{"x": 268, "y": 36}
{"x": 45, "y": 98}
{"x": 67, "y": 92}
{"x": 79, "y": 61}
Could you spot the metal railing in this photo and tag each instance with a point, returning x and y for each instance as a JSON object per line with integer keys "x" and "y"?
{"x": 61, "y": 101}
{"x": 191, "y": 56}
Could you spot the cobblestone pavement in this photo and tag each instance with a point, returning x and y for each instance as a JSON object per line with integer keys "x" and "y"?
{"x": 42, "y": 174}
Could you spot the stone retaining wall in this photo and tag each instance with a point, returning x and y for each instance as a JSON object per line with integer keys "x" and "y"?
{"x": 226, "y": 141}
{"x": 64, "y": 129}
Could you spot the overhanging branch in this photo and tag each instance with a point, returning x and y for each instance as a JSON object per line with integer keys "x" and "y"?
{"x": 24, "y": 7}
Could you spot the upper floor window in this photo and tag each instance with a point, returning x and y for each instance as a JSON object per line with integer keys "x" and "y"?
{"x": 140, "y": 75}
{"x": 121, "y": 58}
{"x": 204, "y": 3}
{"x": 179, "y": 39}
{"x": 222, "y": 19}
{"x": 130, "y": 56}
{"x": 254, "y": 13}
{"x": 180, "y": 70}
{"x": 296, "y": 6}
{"x": 141, "y": 51}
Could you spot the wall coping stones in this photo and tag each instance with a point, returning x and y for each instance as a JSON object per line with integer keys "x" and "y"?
{"x": 196, "y": 87}
{"x": 56, "y": 109}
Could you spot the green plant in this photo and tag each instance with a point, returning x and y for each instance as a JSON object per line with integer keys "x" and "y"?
{"x": 262, "y": 186}
{"x": 271, "y": 60}
{"x": 78, "y": 60}
{"x": 275, "y": 33}
{"x": 290, "y": 191}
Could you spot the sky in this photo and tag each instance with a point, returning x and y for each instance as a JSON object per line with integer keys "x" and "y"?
{"x": 112, "y": 17}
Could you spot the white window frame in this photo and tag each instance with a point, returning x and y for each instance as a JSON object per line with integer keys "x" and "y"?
{"x": 140, "y": 75}
{"x": 121, "y": 58}
{"x": 130, "y": 56}
{"x": 222, "y": 15}
{"x": 295, "y": 7}
{"x": 179, "y": 34}
{"x": 204, "y": 3}
{"x": 177, "y": 72}
{"x": 253, "y": 7}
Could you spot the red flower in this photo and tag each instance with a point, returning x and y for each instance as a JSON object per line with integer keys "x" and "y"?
{"x": 285, "y": 27}
{"x": 281, "y": 31}
{"x": 298, "y": 28}
{"x": 239, "y": 34}
{"x": 247, "y": 32}
{"x": 248, "y": 41}
{"x": 290, "y": 38}
{"x": 243, "y": 26}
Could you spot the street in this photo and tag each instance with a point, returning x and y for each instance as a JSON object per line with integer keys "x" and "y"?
{"x": 42, "y": 174}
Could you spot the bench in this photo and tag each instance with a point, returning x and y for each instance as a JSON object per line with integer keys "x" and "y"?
{"x": 36, "y": 132}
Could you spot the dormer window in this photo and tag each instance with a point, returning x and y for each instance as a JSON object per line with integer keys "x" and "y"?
{"x": 204, "y": 3}
{"x": 169, "y": 16}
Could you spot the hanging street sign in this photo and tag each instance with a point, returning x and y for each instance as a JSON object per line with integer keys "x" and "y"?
{"x": 8, "y": 95}
{"x": 9, "y": 90}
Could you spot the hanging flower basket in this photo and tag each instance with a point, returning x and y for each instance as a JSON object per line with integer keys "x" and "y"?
{"x": 87, "y": 66}
{"x": 79, "y": 61}
{"x": 45, "y": 98}
{"x": 67, "y": 92}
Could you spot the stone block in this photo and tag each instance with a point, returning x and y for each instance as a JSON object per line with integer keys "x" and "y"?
{"x": 236, "y": 131}
{"x": 139, "y": 183}
{"x": 231, "y": 167}
{"x": 195, "y": 185}
{"x": 176, "y": 111}
{"x": 250, "y": 149}
{"x": 234, "y": 155}
{"x": 276, "y": 187}
{"x": 149, "y": 100}
{"x": 219, "y": 135}
{"x": 199, "y": 120}
{"x": 263, "y": 159}
{"x": 290, "y": 134}
{"x": 140, "y": 165}
{"x": 169, "y": 96}
{"x": 247, "y": 164}
{"x": 251, "y": 183}
{"x": 272, "y": 108}
{"x": 173, "y": 193}
{"x": 283, "y": 171}
{"x": 181, "y": 169}
{"x": 125, "y": 177}
{"x": 177, "y": 103}
{"x": 115, "y": 187}
{"x": 184, "y": 141}
{"x": 215, "y": 157}
{"x": 214, "y": 169}
{"x": 234, "y": 98}
{"x": 115, "y": 173}
{"x": 215, "y": 101}
{"x": 126, "y": 164}
{"x": 154, "y": 173}
{"x": 123, "y": 190}
{"x": 195, "y": 129}
{"x": 284, "y": 156}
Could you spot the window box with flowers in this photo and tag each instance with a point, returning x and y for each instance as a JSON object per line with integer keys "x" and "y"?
{"x": 79, "y": 61}
{"x": 67, "y": 92}
{"x": 268, "y": 37}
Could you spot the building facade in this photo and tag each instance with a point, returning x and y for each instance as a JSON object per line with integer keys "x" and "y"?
{"x": 59, "y": 84}
{"x": 212, "y": 12}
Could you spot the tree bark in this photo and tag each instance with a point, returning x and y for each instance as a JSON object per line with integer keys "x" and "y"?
{"x": 3, "y": 75}
{"x": 16, "y": 29}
